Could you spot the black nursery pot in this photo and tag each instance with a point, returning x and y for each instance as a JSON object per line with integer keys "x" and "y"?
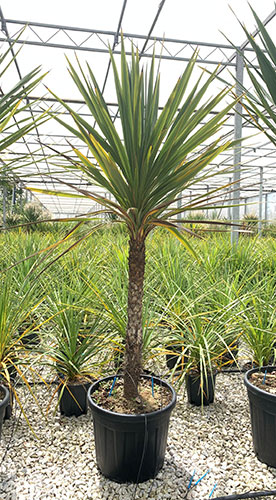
{"x": 130, "y": 448}
{"x": 13, "y": 375}
{"x": 73, "y": 399}
{"x": 3, "y": 404}
{"x": 263, "y": 418}
{"x": 30, "y": 340}
{"x": 227, "y": 358}
{"x": 198, "y": 395}
{"x": 172, "y": 358}
{"x": 9, "y": 407}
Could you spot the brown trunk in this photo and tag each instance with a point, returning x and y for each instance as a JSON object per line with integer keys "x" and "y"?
{"x": 134, "y": 333}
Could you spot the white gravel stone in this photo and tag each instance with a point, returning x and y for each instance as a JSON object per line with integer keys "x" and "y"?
{"x": 60, "y": 462}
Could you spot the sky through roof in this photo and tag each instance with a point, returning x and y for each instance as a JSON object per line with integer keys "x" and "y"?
{"x": 48, "y": 37}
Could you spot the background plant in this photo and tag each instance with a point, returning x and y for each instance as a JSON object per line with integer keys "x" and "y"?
{"x": 260, "y": 102}
{"x": 15, "y": 312}
{"x": 76, "y": 338}
{"x": 173, "y": 280}
{"x": 258, "y": 321}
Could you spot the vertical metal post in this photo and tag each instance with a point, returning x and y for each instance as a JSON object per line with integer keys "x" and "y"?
{"x": 245, "y": 206}
{"x": 260, "y": 202}
{"x": 13, "y": 197}
{"x": 21, "y": 197}
{"x": 229, "y": 202}
{"x": 237, "y": 150}
{"x": 4, "y": 205}
{"x": 266, "y": 209}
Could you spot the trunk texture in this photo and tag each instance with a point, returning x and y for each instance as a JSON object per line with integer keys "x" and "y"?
{"x": 134, "y": 333}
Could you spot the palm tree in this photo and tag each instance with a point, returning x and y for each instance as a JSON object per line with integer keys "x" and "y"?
{"x": 159, "y": 155}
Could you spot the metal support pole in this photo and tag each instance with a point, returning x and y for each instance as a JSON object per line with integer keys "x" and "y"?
{"x": 13, "y": 197}
{"x": 237, "y": 150}
{"x": 21, "y": 198}
{"x": 245, "y": 206}
{"x": 266, "y": 209}
{"x": 4, "y": 205}
{"x": 261, "y": 202}
{"x": 229, "y": 202}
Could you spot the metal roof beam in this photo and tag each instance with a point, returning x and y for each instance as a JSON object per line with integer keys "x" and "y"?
{"x": 126, "y": 35}
{"x": 106, "y": 51}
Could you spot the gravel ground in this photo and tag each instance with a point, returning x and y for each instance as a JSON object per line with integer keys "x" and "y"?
{"x": 60, "y": 462}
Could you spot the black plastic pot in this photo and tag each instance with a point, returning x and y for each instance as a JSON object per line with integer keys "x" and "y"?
{"x": 9, "y": 407}
{"x": 73, "y": 399}
{"x": 130, "y": 448}
{"x": 13, "y": 375}
{"x": 30, "y": 340}
{"x": 198, "y": 395}
{"x": 263, "y": 418}
{"x": 229, "y": 358}
{"x": 3, "y": 404}
{"x": 173, "y": 357}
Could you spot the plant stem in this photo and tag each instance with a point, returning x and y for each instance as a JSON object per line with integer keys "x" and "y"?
{"x": 134, "y": 333}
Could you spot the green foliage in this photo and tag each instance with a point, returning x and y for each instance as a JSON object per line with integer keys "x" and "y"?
{"x": 258, "y": 320}
{"x": 17, "y": 309}
{"x": 76, "y": 337}
{"x": 11, "y": 105}
{"x": 203, "y": 306}
{"x": 159, "y": 153}
{"x": 12, "y": 219}
{"x": 250, "y": 223}
{"x": 29, "y": 216}
{"x": 269, "y": 230}
{"x": 16, "y": 306}
{"x": 261, "y": 100}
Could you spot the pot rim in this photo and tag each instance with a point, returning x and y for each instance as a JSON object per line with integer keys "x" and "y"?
{"x": 196, "y": 374}
{"x": 171, "y": 404}
{"x": 256, "y": 389}
{"x": 60, "y": 377}
{"x": 4, "y": 402}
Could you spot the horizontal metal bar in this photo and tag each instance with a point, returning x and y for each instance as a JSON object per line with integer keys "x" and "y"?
{"x": 106, "y": 51}
{"x": 126, "y": 35}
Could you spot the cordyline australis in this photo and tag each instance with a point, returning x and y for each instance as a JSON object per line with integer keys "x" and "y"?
{"x": 159, "y": 155}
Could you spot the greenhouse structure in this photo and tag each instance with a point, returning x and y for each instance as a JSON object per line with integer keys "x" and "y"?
{"x": 137, "y": 250}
